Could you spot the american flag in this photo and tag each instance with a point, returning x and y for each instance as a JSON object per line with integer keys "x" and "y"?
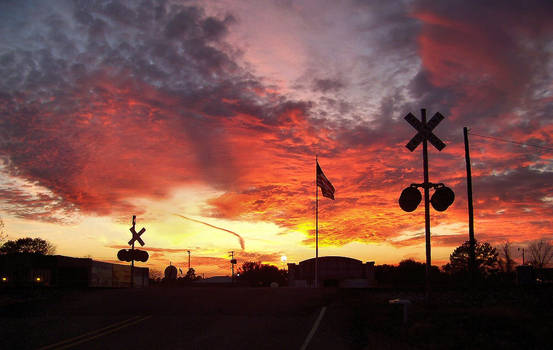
{"x": 324, "y": 184}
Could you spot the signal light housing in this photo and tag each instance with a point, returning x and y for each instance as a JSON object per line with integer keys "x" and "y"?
{"x": 442, "y": 198}
{"x": 129, "y": 255}
{"x": 410, "y": 199}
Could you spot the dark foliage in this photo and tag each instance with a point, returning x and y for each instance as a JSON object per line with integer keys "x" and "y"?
{"x": 486, "y": 259}
{"x": 506, "y": 263}
{"x": 28, "y": 245}
{"x": 409, "y": 273}
{"x": 541, "y": 253}
{"x": 256, "y": 274}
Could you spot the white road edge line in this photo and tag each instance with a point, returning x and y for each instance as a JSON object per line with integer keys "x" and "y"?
{"x": 314, "y": 329}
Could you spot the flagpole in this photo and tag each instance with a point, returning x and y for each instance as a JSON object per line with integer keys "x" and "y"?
{"x": 316, "y": 225}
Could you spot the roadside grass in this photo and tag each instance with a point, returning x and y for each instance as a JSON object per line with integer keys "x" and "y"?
{"x": 487, "y": 319}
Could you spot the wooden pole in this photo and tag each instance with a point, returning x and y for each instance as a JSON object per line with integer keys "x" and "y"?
{"x": 232, "y": 265}
{"x": 472, "y": 254}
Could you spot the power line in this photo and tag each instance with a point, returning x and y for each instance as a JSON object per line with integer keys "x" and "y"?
{"x": 511, "y": 141}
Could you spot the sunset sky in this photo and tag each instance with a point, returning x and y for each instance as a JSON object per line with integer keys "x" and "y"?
{"x": 215, "y": 110}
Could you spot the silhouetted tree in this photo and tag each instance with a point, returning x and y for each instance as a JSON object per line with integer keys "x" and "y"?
{"x": 257, "y": 274}
{"x": 28, "y": 245}
{"x": 191, "y": 275}
{"x": 541, "y": 253}
{"x": 384, "y": 273}
{"x": 408, "y": 273}
{"x": 505, "y": 260}
{"x": 485, "y": 254}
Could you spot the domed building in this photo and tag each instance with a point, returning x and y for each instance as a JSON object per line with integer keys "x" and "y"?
{"x": 170, "y": 273}
{"x": 334, "y": 271}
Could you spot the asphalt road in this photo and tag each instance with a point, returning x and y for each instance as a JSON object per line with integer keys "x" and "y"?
{"x": 175, "y": 318}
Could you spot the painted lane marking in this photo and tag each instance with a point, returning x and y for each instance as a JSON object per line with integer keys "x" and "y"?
{"x": 314, "y": 329}
{"x": 67, "y": 343}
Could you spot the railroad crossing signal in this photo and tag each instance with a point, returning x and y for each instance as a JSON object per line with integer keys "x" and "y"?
{"x": 425, "y": 131}
{"x": 410, "y": 197}
{"x": 134, "y": 254}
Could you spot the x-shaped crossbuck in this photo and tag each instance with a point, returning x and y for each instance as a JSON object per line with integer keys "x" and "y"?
{"x": 425, "y": 131}
{"x": 136, "y": 236}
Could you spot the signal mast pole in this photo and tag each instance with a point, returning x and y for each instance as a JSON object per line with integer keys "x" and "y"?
{"x": 132, "y": 253}
{"x": 426, "y": 207}
{"x": 425, "y": 135}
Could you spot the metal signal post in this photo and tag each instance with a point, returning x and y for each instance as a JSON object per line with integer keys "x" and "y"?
{"x": 426, "y": 207}
{"x": 132, "y": 255}
{"x": 132, "y": 252}
{"x": 443, "y": 196}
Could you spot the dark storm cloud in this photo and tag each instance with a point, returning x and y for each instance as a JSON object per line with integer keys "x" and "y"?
{"x": 486, "y": 65}
{"x": 521, "y": 185}
{"x": 42, "y": 206}
{"x": 105, "y": 101}
{"x": 327, "y": 85}
{"x": 98, "y": 92}
{"x": 482, "y": 60}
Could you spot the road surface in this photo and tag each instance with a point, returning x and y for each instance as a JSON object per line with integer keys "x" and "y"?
{"x": 176, "y": 318}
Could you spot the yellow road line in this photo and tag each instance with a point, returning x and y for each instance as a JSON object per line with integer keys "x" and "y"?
{"x": 87, "y": 334}
{"x": 94, "y": 334}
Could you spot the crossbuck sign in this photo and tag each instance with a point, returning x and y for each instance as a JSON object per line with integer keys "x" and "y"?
{"x": 136, "y": 235}
{"x": 425, "y": 131}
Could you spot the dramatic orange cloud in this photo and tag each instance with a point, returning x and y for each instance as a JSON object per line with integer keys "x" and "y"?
{"x": 128, "y": 111}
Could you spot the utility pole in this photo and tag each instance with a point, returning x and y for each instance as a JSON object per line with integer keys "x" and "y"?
{"x": 232, "y": 262}
{"x": 519, "y": 249}
{"x": 188, "y": 260}
{"x": 472, "y": 254}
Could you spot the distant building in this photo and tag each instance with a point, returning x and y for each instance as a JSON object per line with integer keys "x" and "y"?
{"x": 336, "y": 271}
{"x": 26, "y": 270}
{"x": 170, "y": 273}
